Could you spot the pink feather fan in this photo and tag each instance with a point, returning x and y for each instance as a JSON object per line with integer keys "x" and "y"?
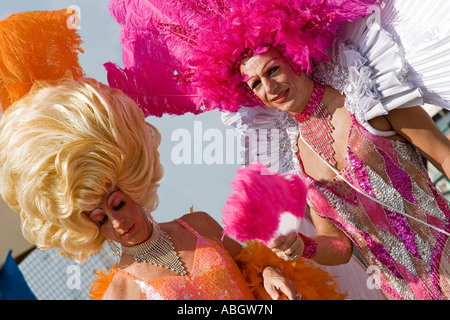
{"x": 260, "y": 199}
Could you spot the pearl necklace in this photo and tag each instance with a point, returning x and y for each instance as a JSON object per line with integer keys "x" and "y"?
{"x": 157, "y": 250}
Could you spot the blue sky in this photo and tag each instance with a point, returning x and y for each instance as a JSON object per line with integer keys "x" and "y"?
{"x": 205, "y": 186}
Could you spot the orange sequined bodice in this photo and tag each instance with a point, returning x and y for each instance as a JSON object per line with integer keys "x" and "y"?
{"x": 214, "y": 276}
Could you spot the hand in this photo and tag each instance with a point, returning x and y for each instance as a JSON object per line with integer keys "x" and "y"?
{"x": 289, "y": 248}
{"x": 276, "y": 284}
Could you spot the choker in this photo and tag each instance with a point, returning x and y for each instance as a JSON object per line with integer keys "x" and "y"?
{"x": 157, "y": 250}
{"x": 315, "y": 125}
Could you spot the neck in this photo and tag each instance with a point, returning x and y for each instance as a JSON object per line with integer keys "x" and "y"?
{"x": 313, "y": 103}
{"x": 157, "y": 250}
{"x": 306, "y": 85}
{"x": 127, "y": 258}
{"x": 316, "y": 127}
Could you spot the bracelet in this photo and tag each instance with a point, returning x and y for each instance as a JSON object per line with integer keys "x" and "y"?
{"x": 310, "y": 247}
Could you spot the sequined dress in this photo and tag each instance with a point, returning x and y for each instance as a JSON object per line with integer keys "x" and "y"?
{"x": 214, "y": 276}
{"x": 410, "y": 258}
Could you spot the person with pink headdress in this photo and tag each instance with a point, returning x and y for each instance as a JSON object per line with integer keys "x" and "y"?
{"x": 342, "y": 83}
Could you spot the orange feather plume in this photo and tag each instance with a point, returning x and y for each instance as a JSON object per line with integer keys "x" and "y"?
{"x": 36, "y": 45}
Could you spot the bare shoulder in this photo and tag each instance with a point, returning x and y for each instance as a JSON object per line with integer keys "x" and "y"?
{"x": 415, "y": 117}
{"x": 208, "y": 227}
{"x": 121, "y": 288}
{"x": 203, "y": 223}
{"x": 197, "y": 216}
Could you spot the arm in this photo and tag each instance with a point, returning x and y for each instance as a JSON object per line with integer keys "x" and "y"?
{"x": 275, "y": 282}
{"x": 333, "y": 246}
{"x": 415, "y": 125}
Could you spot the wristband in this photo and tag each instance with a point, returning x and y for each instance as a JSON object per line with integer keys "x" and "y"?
{"x": 310, "y": 249}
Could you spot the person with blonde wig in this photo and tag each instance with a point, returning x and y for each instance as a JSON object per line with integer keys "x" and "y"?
{"x": 81, "y": 165}
{"x": 80, "y": 139}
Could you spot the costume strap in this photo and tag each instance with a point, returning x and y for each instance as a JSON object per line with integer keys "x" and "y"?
{"x": 188, "y": 227}
{"x": 387, "y": 206}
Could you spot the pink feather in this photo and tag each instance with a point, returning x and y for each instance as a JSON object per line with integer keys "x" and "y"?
{"x": 155, "y": 36}
{"x": 260, "y": 196}
{"x": 183, "y": 55}
{"x": 302, "y": 29}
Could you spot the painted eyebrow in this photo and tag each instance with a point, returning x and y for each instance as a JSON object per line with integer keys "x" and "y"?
{"x": 263, "y": 68}
{"x": 107, "y": 199}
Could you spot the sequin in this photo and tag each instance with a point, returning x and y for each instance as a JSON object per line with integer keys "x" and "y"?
{"x": 360, "y": 172}
{"x": 199, "y": 8}
{"x": 409, "y": 254}
{"x": 183, "y": 33}
{"x": 400, "y": 179}
{"x": 403, "y": 230}
{"x": 214, "y": 276}
{"x": 382, "y": 254}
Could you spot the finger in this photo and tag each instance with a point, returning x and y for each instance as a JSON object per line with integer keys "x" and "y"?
{"x": 273, "y": 293}
{"x": 285, "y": 256}
{"x": 275, "y": 243}
{"x": 289, "y": 290}
{"x": 280, "y": 254}
{"x": 294, "y": 248}
{"x": 292, "y": 238}
{"x": 289, "y": 242}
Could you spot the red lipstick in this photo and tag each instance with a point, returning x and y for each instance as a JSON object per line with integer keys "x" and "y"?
{"x": 281, "y": 97}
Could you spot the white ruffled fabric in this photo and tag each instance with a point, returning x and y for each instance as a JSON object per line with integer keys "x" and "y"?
{"x": 392, "y": 63}
{"x": 269, "y": 136}
{"x": 423, "y": 29}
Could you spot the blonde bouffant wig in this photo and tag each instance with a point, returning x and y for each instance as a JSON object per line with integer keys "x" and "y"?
{"x": 65, "y": 145}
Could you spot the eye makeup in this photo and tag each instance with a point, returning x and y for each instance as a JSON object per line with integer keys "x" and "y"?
{"x": 269, "y": 69}
{"x": 114, "y": 202}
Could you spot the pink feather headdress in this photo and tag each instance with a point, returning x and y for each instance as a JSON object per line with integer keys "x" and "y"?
{"x": 303, "y": 30}
{"x": 156, "y": 37}
{"x": 183, "y": 55}
{"x": 260, "y": 197}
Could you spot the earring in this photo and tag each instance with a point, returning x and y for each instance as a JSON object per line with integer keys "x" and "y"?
{"x": 148, "y": 214}
{"x": 115, "y": 249}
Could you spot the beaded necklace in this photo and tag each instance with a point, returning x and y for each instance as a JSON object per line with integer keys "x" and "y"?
{"x": 315, "y": 125}
{"x": 157, "y": 250}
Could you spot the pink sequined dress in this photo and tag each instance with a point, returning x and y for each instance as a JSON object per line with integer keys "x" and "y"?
{"x": 410, "y": 258}
{"x": 214, "y": 276}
